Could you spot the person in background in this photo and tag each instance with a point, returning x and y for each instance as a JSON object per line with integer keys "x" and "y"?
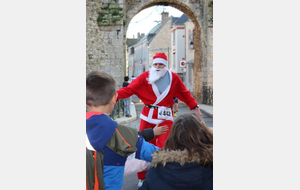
{"x": 156, "y": 88}
{"x": 175, "y": 106}
{"x": 126, "y": 100}
{"x": 186, "y": 160}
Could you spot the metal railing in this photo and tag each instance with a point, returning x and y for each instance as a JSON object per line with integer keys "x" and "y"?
{"x": 118, "y": 110}
{"x": 208, "y": 95}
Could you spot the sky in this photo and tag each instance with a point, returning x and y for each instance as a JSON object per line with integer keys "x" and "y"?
{"x": 143, "y": 22}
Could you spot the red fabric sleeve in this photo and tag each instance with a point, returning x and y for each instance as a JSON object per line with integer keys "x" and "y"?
{"x": 128, "y": 91}
{"x": 183, "y": 94}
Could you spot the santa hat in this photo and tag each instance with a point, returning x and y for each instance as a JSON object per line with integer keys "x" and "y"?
{"x": 160, "y": 58}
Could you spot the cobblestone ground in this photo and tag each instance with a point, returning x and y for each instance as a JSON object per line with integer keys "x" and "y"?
{"x": 131, "y": 181}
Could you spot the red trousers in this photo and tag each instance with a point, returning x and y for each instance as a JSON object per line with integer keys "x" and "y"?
{"x": 158, "y": 140}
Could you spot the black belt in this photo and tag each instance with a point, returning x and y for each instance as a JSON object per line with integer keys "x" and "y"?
{"x": 148, "y": 106}
{"x": 155, "y": 107}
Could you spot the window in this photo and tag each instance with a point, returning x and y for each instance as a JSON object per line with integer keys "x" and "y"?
{"x": 174, "y": 65}
{"x": 173, "y": 36}
{"x": 190, "y": 74}
{"x": 131, "y": 50}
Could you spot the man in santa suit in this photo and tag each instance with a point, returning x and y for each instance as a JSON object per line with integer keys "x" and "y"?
{"x": 156, "y": 88}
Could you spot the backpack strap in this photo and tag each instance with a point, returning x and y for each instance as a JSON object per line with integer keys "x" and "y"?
{"x": 92, "y": 181}
{"x": 96, "y": 187}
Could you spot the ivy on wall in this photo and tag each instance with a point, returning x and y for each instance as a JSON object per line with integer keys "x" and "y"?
{"x": 111, "y": 14}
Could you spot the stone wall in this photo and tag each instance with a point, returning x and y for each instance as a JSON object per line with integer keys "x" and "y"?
{"x": 208, "y": 70}
{"x": 105, "y": 45}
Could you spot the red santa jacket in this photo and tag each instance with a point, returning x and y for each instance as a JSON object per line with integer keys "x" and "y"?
{"x": 150, "y": 95}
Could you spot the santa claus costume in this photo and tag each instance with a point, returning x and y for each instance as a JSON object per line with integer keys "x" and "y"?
{"x": 158, "y": 105}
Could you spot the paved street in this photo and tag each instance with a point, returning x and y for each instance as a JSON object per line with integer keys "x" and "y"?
{"x": 131, "y": 181}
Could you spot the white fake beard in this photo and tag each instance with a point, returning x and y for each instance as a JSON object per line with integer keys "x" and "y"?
{"x": 156, "y": 74}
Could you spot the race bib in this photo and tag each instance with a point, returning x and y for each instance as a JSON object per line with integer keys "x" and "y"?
{"x": 164, "y": 113}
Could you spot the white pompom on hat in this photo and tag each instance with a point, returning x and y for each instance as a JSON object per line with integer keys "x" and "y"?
{"x": 160, "y": 58}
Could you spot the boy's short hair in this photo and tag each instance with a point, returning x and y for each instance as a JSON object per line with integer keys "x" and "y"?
{"x": 100, "y": 88}
{"x": 126, "y": 78}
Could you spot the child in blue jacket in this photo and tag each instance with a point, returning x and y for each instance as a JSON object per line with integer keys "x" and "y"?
{"x": 104, "y": 134}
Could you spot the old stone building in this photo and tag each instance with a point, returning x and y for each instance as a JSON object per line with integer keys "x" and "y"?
{"x": 156, "y": 40}
{"x": 161, "y": 42}
{"x": 178, "y": 47}
{"x": 140, "y": 55}
{"x": 107, "y": 22}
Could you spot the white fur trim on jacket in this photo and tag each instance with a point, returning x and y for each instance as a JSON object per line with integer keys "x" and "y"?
{"x": 161, "y": 96}
{"x": 151, "y": 120}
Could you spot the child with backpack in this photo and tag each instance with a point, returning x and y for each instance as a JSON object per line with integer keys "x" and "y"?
{"x": 104, "y": 133}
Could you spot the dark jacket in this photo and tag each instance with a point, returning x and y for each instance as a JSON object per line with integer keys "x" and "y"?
{"x": 125, "y": 84}
{"x": 171, "y": 170}
{"x": 147, "y": 134}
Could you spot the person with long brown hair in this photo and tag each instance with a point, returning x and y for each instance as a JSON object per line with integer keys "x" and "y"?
{"x": 186, "y": 160}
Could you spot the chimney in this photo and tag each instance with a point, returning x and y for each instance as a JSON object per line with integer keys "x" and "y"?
{"x": 143, "y": 35}
{"x": 164, "y": 17}
{"x": 138, "y": 35}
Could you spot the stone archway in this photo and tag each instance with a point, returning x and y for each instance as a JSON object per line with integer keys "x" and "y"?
{"x": 106, "y": 41}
